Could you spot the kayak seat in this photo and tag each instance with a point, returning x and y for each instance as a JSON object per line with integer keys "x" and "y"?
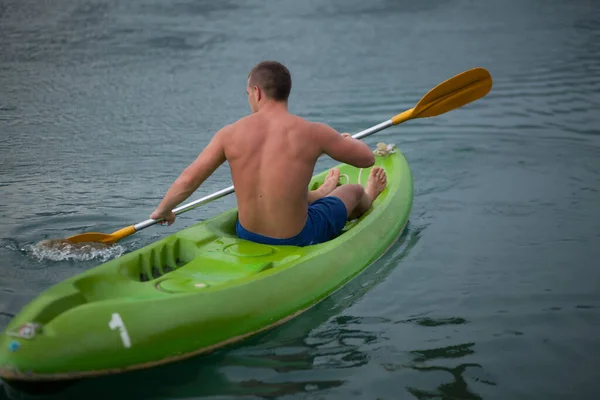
{"x": 224, "y": 225}
{"x": 212, "y": 268}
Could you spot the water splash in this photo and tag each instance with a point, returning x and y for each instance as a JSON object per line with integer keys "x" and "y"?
{"x": 80, "y": 252}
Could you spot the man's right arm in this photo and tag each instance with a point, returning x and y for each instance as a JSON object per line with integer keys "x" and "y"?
{"x": 343, "y": 149}
{"x": 211, "y": 157}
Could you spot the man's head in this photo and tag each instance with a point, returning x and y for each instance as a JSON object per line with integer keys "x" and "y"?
{"x": 269, "y": 81}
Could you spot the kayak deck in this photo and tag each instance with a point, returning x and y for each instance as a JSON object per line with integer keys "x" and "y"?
{"x": 195, "y": 290}
{"x": 207, "y": 257}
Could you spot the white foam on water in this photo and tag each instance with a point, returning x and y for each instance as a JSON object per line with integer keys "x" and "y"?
{"x": 41, "y": 252}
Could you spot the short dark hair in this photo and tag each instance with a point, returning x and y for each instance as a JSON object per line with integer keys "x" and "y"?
{"x": 273, "y": 78}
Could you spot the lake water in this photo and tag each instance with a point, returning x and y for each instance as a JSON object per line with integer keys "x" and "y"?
{"x": 492, "y": 292}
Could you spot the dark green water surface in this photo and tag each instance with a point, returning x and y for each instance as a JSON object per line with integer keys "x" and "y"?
{"x": 493, "y": 291}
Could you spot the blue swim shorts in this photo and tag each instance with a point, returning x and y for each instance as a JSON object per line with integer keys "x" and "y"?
{"x": 326, "y": 219}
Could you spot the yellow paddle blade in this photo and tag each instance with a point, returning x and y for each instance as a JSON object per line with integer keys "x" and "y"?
{"x": 90, "y": 237}
{"x": 102, "y": 237}
{"x": 453, "y": 93}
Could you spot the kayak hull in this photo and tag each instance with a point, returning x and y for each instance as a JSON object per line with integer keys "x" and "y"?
{"x": 194, "y": 291}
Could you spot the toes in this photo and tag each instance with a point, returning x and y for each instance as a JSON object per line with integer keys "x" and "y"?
{"x": 333, "y": 173}
{"x": 381, "y": 176}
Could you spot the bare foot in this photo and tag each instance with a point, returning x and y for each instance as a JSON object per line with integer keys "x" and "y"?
{"x": 330, "y": 183}
{"x": 376, "y": 182}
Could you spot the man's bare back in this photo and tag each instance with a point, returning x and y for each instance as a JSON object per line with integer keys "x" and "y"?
{"x": 272, "y": 155}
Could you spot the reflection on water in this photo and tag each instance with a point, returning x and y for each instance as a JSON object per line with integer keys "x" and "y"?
{"x": 456, "y": 389}
{"x": 454, "y": 380}
{"x": 436, "y": 322}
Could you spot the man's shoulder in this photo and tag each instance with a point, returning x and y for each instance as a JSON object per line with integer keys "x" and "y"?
{"x": 242, "y": 122}
{"x": 306, "y": 123}
{"x": 321, "y": 129}
{"x": 235, "y": 125}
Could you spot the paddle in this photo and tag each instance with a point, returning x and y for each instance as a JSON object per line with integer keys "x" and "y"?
{"x": 453, "y": 93}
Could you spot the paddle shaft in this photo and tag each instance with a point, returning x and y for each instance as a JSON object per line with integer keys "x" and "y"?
{"x": 453, "y": 93}
{"x": 224, "y": 192}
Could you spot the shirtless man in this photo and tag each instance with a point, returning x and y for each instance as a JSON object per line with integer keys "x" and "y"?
{"x": 272, "y": 155}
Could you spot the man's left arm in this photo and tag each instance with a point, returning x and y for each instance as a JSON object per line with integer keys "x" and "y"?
{"x": 192, "y": 177}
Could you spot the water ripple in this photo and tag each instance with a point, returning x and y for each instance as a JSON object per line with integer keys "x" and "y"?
{"x": 42, "y": 252}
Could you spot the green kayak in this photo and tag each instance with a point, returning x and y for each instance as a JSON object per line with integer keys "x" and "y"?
{"x": 195, "y": 291}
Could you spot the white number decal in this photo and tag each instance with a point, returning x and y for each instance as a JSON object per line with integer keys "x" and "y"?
{"x": 117, "y": 323}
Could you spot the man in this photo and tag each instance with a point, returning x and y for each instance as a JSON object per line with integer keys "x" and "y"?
{"x": 272, "y": 155}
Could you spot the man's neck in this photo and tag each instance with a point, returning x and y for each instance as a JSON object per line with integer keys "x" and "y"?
{"x": 273, "y": 107}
